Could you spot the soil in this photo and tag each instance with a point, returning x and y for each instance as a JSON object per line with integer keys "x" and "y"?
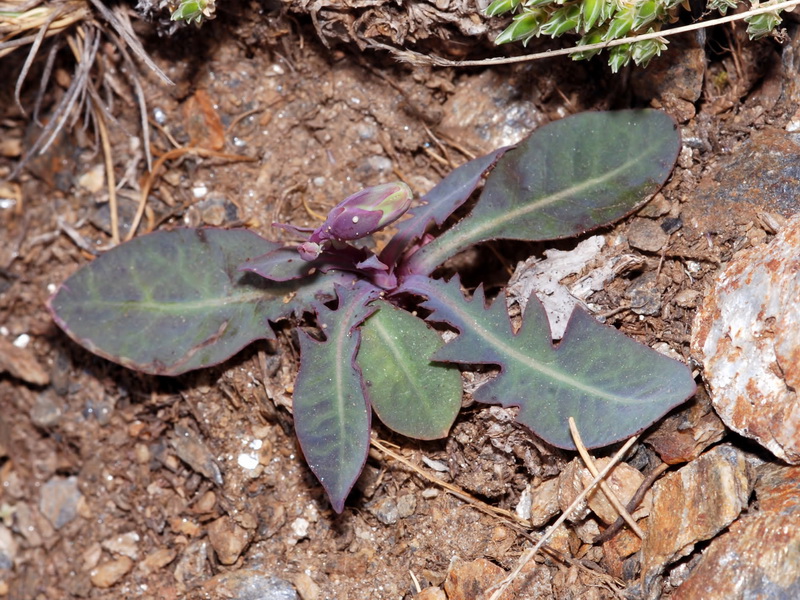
{"x": 193, "y": 487}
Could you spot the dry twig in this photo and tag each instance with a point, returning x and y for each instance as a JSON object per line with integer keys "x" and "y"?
{"x": 530, "y": 553}
{"x": 612, "y": 497}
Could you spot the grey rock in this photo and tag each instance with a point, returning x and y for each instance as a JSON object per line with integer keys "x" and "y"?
{"x": 406, "y": 505}
{"x": 59, "y": 500}
{"x": 385, "y": 510}
{"x": 8, "y": 548}
{"x": 646, "y": 235}
{"x": 46, "y": 410}
{"x": 250, "y": 584}
{"x": 486, "y": 112}
{"x": 191, "y": 449}
{"x": 645, "y": 296}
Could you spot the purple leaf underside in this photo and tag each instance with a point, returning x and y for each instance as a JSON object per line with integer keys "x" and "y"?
{"x": 331, "y": 413}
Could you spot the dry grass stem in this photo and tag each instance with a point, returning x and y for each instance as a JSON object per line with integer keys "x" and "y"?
{"x": 452, "y": 489}
{"x": 37, "y": 42}
{"x": 122, "y": 25}
{"x": 648, "y": 482}
{"x": 419, "y": 59}
{"x": 46, "y": 18}
{"x": 612, "y": 497}
{"x": 63, "y": 110}
{"x": 133, "y": 77}
{"x": 311, "y": 212}
{"x": 530, "y": 553}
{"x": 110, "y": 179}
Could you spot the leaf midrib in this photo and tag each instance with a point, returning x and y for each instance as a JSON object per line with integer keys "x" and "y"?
{"x": 173, "y": 307}
{"x": 529, "y": 361}
{"x": 435, "y": 253}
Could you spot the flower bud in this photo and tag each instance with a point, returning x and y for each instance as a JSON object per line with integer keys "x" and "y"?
{"x": 365, "y": 212}
{"x": 309, "y": 250}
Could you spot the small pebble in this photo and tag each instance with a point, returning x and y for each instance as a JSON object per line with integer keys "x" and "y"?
{"x": 158, "y": 559}
{"x": 126, "y": 544}
{"x": 191, "y": 566}
{"x": 91, "y": 556}
{"x": 111, "y": 572}
{"x": 206, "y": 502}
{"x": 184, "y": 526}
{"x": 431, "y": 593}
{"x": 227, "y": 539}
{"x": 306, "y": 588}
{"x": 46, "y": 410}
{"x": 59, "y": 500}
{"x": 406, "y": 505}
{"x": 142, "y": 454}
{"x": 646, "y": 235}
{"x": 247, "y": 584}
{"x": 94, "y": 179}
{"x": 385, "y": 510}
{"x": 687, "y": 298}
{"x": 8, "y": 548}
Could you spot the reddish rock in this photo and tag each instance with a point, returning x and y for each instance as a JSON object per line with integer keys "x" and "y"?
{"x": 109, "y": 573}
{"x": 431, "y": 593}
{"x": 747, "y": 336}
{"x": 470, "y": 580}
{"x": 544, "y": 502}
{"x": 623, "y": 480}
{"x": 684, "y": 435}
{"x": 157, "y": 559}
{"x": 227, "y": 539}
{"x": 694, "y": 504}
{"x": 21, "y": 363}
{"x": 758, "y": 557}
{"x": 646, "y": 235}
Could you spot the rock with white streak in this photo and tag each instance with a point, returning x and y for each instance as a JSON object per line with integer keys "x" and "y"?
{"x": 694, "y": 504}
{"x": 757, "y": 557}
{"x": 747, "y": 336}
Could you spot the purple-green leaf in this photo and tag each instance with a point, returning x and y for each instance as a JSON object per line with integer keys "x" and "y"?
{"x": 173, "y": 301}
{"x": 285, "y": 264}
{"x": 613, "y": 386}
{"x": 331, "y": 412}
{"x": 568, "y": 177}
{"x": 438, "y": 204}
{"x": 410, "y": 394}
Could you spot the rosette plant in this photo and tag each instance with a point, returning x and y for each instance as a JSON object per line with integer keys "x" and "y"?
{"x": 172, "y": 301}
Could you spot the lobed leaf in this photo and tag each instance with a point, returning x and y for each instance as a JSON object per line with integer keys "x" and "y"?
{"x": 568, "y": 177}
{"x": 173, "y": 301}
{"x": 331, "y": 412}
{"x": 612, "y": 385}
{"x": 410, "y": 394}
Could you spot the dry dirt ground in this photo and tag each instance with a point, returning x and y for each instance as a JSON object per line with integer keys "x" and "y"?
{"x": 118, "y": 485}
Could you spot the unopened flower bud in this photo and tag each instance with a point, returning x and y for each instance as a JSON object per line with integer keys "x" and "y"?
{"x": 365, "y": 212}
{"x": 309, "y": 250}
